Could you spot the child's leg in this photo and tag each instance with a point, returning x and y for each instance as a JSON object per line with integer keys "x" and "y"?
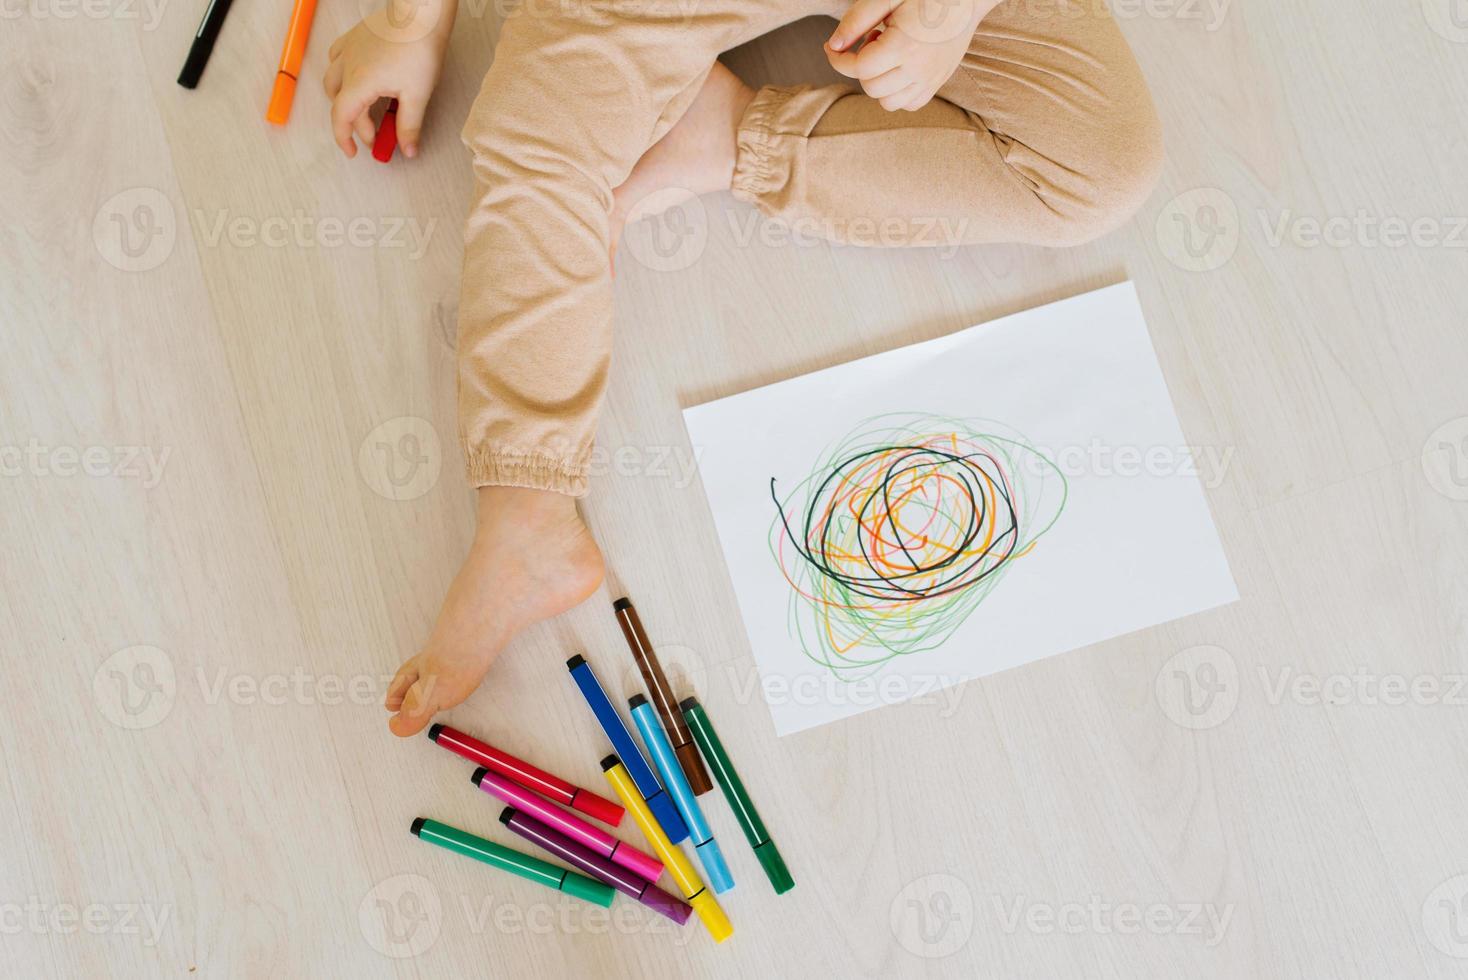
{"x": 1045, "y": 134}
{"x": 578, "y": 91}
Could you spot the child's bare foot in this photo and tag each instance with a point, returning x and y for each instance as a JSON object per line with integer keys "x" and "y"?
{"x": 532, "y": 558}
{"x": 695, "y": 156}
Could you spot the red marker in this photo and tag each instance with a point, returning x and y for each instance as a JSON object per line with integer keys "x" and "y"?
{"x": 387, "y": 134}
{"x": 522, "y": 773}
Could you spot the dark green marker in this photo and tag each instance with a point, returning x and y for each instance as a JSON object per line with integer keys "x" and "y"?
{"x": 508, "y": 859}
{"x": 737, "y": 795}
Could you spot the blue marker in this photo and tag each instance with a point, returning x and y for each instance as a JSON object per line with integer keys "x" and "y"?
{"x": 658, "y": 802}
{"x": 698, "y": 828}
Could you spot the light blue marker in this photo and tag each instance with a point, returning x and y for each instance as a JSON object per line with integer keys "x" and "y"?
{"x": 661, "y": 751}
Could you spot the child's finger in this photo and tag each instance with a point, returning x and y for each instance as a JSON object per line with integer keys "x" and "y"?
{"x": 899, "y": 98}
{"x": 365, "y": 130}
{"x": 410, "y": 122}
{"x": 332, "y": 80}
{"x": 417, "y": 709}
{"x": 886, "y": 83}
{"x": 351, "y": 102}
{"x": 861, "y": 18}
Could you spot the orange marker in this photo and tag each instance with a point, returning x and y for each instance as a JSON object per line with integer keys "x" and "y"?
{"x": 290, "y": 62}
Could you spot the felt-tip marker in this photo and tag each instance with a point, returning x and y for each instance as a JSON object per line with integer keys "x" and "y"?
{"x": 694, "y": 893}
{"x": 587, "y": 860}
{"x": 508, "y": 859}
{"x": 704, "y": 845}
{"x": 659, "y": 802}
{"x": 749, "y": 821}
{"x": 522, "y": 773}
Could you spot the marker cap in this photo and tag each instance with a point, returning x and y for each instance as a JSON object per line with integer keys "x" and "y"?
{"x": 774, "y": 865}
{"x": 712, "y": 916}
{"x": 281, "y": 97}
{"x": 660, "y": 901}
{"x": 582, "y": 887}
{"x": 663, "y": 807}
{"x": 714, "y": 866}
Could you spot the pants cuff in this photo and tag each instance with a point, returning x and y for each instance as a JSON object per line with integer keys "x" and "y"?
{"x": 535, "y": 472}
{"x": 756, "y": 174}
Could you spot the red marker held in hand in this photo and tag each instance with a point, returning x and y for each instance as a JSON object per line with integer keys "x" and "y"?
{"x": 387, "y": 134}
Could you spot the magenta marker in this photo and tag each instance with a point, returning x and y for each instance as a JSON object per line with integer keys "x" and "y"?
{"x": 598, "y": 840}
{"x": 583, "y": 858}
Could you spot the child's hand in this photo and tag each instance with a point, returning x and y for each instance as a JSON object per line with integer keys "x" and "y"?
{"x": 397, "y": 52}
{"x": 920, "y": 45}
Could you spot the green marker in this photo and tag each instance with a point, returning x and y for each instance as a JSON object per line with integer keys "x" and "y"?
{"x": 508, "y": 859}
{"x": 737, "y": 795}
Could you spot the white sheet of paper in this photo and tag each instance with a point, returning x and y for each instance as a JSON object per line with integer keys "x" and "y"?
{"x": 1076, "y": 382}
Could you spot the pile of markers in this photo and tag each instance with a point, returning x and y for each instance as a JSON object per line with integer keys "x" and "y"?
{"x": 539, "y": 806}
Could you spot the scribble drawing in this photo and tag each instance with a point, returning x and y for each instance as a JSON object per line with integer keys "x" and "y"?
{"x": 902, "y": 530}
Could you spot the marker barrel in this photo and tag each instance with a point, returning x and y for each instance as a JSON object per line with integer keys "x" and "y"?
{"x": 704, "y": 904}
{"x": 644, "y": 865}
{"x": 583, "y": 858}
{"x": 508, "y": 859}
{"x": 524, "y": 774}
{"x": 616, "y": 730}
{"x": 662, "y": 696}
{"x": 704, "y": 845}
{"x": 738, "y": 797}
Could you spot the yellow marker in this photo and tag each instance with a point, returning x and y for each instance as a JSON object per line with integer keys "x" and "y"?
{"x": 702, "y": 900}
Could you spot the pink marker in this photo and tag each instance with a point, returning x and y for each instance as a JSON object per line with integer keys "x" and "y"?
{"x": 573, "y": 827}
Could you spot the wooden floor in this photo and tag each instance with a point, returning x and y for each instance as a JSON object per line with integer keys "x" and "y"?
{"x": 232, "y": 499}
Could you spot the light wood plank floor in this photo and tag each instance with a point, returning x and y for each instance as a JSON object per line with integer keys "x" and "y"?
{"x": 206, "y": 574}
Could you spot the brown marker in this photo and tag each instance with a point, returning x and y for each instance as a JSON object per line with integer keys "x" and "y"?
{"x": 662, "y": 697}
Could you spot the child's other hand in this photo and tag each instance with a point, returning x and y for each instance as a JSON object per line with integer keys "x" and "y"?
{"x": 398, "y": 53}
{"x": 919, "y": 47}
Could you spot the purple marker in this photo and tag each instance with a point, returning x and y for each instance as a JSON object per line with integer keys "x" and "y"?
{"x": 594, "y": 838}
{"x": 580, "y": 856}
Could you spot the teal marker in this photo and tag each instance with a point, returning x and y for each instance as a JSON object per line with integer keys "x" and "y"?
{"x": 508, "y": 859}
{"x": 666, "y": 761}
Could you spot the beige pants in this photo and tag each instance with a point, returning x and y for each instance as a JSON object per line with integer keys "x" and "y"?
{"x": 1045, "y": 135}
